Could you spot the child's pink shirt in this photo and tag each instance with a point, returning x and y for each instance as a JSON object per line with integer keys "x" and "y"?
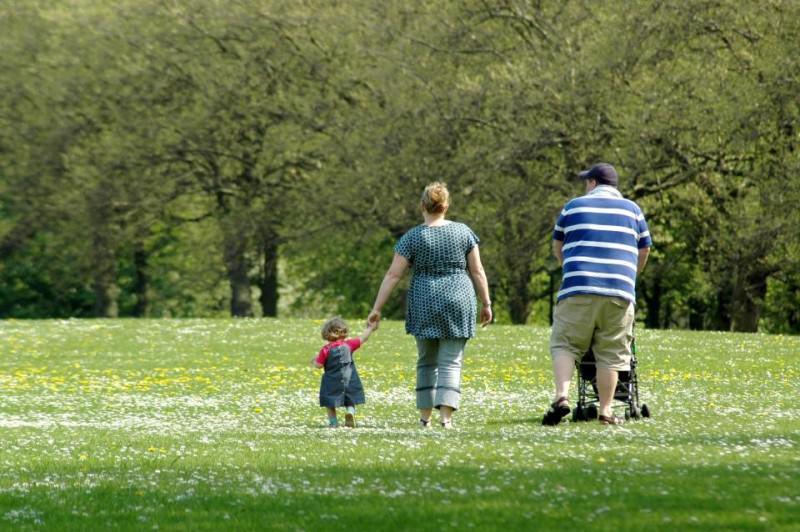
{"x": 353, "y": 343}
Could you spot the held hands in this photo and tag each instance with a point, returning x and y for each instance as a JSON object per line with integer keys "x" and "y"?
{"x": 368, "y": 331}
{"x": 374, "y": 319}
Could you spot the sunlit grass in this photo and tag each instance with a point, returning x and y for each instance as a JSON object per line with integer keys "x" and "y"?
{"x": 203, "y": 424}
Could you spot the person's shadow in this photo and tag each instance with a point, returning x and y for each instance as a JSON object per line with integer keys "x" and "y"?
{"x": 515, "y": 421}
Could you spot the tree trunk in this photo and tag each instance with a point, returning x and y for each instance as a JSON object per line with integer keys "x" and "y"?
{"x": 519, "y": 301}
{"x": 652, "y": 300}
{"x": 552, "y": 287}
{"x": 697, "y": 314}
{"x": 236, "y": 265}
{"x": 140, "y": 281}
{"x": 269, "y": 279}
{"x": 105, "y": 287}
{"x": 105, "y": 297}
{"x": 748, "y": 298}
{"x": 103, "y": 254}
{"x": 720, "y": 320}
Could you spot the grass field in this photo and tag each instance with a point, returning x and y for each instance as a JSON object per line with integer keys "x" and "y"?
{"x": 209, "y": 425}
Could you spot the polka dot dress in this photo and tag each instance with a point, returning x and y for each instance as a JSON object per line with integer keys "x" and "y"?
{"x": 441, "y": 299}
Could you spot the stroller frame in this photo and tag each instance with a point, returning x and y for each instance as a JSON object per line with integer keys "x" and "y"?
{"x": 625, "y": 395}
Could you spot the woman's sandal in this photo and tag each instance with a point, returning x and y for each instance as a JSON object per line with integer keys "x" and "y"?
{"x": 558, "y": 409}
{"x": 610, "y": 420}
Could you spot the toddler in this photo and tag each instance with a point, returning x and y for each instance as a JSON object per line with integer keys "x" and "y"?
{"x": 341, "y": 385}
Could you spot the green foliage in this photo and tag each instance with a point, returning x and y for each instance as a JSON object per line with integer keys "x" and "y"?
{"x": 334, "y": 282}
{"x": 174, "y": 154}
{"x": 43, "y": 280}
{"x": 782, "y": 304}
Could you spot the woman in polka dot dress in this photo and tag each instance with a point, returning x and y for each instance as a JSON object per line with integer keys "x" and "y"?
{"x": 441, "y": 308}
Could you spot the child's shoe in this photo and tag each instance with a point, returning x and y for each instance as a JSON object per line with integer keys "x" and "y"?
{"x": 333, "y": 423}
{"x": 350, "y": 417}
{"x": 425, "y": 423}
{"x": 447, "y": 424}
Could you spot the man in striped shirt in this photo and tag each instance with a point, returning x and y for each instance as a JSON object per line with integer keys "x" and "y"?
{"x": 602, "y": 241}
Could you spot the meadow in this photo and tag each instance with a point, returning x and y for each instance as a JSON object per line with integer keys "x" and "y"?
{"x": 214, "y": 424}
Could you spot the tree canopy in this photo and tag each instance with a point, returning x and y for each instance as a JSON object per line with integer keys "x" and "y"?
{"x": 261, "y": 157}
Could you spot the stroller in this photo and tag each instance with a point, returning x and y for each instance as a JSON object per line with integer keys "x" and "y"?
{"x": 627, "y": 390}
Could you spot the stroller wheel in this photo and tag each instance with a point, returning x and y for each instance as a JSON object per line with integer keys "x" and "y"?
{"x": 591, "y": 412}
{"x": 636, "y": 413}
{"x": 645, "y": 411}
{"x": 627, "y": 414}
{"x": 578, "y": 414}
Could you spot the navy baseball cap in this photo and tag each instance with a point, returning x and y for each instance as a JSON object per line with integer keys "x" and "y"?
{"x": 603, "y": 173}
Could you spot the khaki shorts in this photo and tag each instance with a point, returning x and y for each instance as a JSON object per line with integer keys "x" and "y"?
{"x": 603, "y": 323}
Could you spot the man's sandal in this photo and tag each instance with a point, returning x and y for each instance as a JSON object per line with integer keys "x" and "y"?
{"x": 558, "y": 410}
{"x": 610, "y": 420}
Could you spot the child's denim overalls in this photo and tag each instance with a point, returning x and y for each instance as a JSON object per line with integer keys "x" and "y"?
{"x": 341, "y": 385}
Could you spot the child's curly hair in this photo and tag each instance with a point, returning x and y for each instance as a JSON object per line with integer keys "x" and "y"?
{"x": 334, "y": 329}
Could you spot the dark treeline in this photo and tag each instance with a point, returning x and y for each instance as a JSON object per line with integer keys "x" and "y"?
{"x": 256, "y": 157}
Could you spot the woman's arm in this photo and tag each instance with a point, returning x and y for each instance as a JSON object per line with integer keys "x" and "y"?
{"x": 481, "y": 284}
{"x": 393, "y": 275}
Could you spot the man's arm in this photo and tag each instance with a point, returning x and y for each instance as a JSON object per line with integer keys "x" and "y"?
{"x": 558, "y": 251}
{"x": 643, "y": 254}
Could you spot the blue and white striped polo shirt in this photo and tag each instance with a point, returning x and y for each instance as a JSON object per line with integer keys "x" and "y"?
{"x": 602, "y": 234}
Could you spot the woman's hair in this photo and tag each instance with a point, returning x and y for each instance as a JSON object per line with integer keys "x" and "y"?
{"x": 334, "y": 329}
{"x": 435, "y": 198}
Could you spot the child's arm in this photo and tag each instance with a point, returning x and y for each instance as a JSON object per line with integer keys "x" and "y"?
{"x": 371, "y": 326}
{"x": 319, "y": 360}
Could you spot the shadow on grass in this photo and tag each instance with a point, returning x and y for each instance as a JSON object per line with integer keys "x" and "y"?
{"x": 534, "y": 420}
{"x": 558, "y": 496}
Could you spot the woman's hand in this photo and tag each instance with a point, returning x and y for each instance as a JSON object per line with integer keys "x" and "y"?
{"x": 486, "y": 315}
{"x": 374, "y": 319}
{"x": 478, "y": 276}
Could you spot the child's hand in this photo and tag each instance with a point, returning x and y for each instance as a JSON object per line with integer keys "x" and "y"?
{"x": 371, "y": 326}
